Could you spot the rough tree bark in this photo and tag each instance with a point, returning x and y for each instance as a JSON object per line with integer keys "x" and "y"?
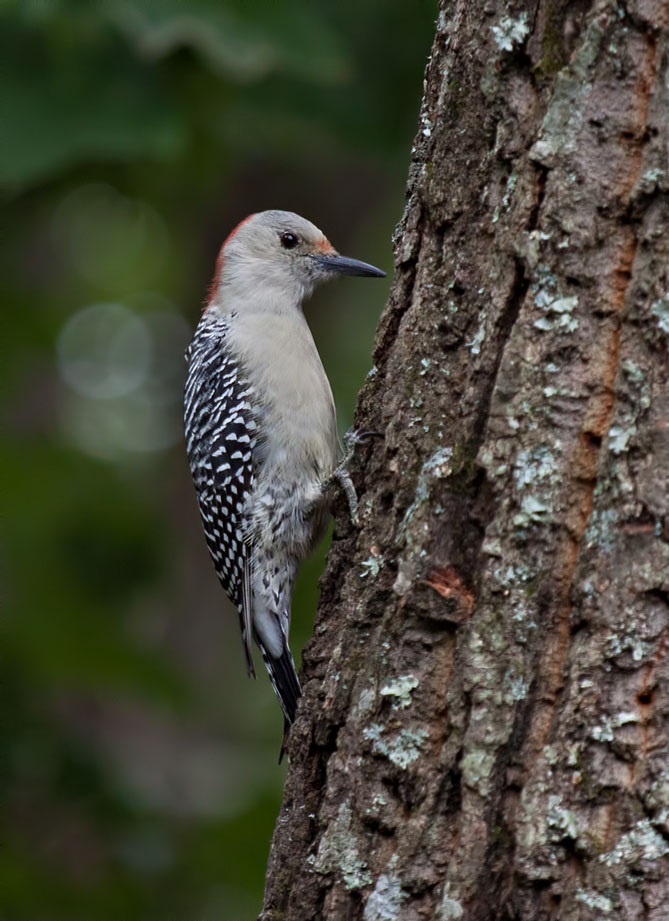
{"x": 485, "y": 723}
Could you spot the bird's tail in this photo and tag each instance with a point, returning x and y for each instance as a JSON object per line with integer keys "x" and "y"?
{"x": 271, "y": 622}
{"x": 284, "y": 740}
{"x": 284, "y": 680}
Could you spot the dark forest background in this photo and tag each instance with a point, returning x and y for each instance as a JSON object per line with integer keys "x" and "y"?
{"x": 139, "y": 775}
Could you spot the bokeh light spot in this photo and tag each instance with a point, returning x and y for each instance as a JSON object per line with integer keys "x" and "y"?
{"x": 104, "y": 351}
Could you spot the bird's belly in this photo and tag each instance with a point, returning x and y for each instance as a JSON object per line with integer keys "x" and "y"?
{"x": 290, "y": 511}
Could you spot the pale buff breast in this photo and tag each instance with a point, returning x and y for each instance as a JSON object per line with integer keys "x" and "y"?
{"x": 279, "y": 355}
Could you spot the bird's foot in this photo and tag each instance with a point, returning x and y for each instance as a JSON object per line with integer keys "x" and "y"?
{"x": 341, "y": 475}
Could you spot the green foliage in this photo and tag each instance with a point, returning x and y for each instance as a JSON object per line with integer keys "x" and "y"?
{"x": 138, "y": 766}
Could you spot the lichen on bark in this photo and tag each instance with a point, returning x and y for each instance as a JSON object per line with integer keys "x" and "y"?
{"x": 484, "y": 728}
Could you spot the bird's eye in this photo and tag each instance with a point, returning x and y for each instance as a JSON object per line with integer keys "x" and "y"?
{"x": 289, "y": 240}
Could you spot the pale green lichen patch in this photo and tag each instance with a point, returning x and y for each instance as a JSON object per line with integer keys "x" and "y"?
{"x": 514, "y": 687}
{"x": 400, "y": 688}
{"x": 532, "y": 510}
{"x": 619, "y": 438}
{"x": 638, "y": 383}
{"x": 604, "y": 731}
{"x": 510, "y": 32}
{"x": 658, "y": 799}
{"x": 573, "y": 87}
{"x": 643, "y": 842}
{"x": 595, "y": 900}
{"x": 621, "y": 643}
{"x": 402, "y": 749}
{"x": 660, "y": 309}
{"x": 435, "y": 467}
{"x": 561, "y": 822}
{"x": 475, "y": 345}
{"x": 494, "y": 686}
{"x": 385, "y": 901}
{"x": 650, "y": 179}
{"x": 371, "y": 566}
{"x": 602, "y": 528}
{"x": 534, "y": 466}
{"x": 528, "y": 246}
{"x": 338, "y": 852}
{"x": 632, "y": 371}
{"x": 448, "y": 909}
{"x": 534, "y": 473}
{"x": 557, "y": 311}
{"x": 477, "y": 767}
{"x": 518, "y": 583}
{"x": 543, "y": 819}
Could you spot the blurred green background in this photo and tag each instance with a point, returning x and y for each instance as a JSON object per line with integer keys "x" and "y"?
{"x": 139, "y": 775}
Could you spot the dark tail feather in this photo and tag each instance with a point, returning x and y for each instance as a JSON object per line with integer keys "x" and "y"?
{"x": 286, "y": 686}
{"x": 284, "y": 680}
{"x": 284, "y": 741}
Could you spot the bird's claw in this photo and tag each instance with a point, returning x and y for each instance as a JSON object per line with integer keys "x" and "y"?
{"x": 354, "y": 437}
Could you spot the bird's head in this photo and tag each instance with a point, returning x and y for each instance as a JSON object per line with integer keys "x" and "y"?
{"x": 277, "y": 258}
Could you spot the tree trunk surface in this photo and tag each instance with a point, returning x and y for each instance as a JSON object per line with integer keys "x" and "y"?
{"x": 485, "y": 726}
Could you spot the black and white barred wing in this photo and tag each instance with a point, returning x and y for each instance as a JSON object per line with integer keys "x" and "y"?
{"x": 220, "y": 438}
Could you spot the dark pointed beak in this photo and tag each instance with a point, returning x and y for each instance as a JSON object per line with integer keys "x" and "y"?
{"x": 333, "y": 262}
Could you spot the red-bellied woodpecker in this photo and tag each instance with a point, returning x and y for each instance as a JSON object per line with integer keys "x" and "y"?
{"x": 260, "y": 426}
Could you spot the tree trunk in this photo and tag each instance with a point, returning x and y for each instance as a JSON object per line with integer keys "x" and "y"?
{"x": 485, "y": 722}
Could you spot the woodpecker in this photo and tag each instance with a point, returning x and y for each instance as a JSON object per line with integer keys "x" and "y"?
{"x": 260, "y": 423}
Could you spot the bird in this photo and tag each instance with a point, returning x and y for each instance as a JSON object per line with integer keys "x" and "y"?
{"x": 260, "y": 427}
